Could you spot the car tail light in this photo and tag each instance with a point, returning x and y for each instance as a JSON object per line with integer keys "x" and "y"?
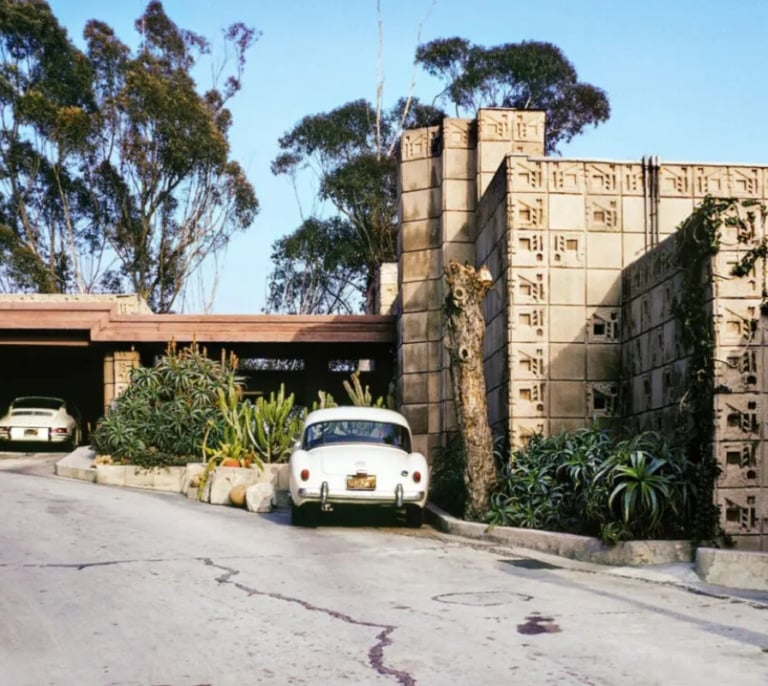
{"x": 304, "y": 474}
{"x": 417, "y": 477}
{"x": 59, "y": 431}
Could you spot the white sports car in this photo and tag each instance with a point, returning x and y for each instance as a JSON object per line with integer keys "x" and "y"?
{"x": 357, "y": 456}
{"x": 40, "y": 419}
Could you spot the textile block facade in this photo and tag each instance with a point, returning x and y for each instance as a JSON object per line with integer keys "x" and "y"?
{"x": 581, "y": 320}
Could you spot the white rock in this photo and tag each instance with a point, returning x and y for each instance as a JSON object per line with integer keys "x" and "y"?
{"x": 259, "y": 497}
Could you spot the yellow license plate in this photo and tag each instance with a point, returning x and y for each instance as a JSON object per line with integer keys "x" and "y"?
{"x": 361, "y": 482}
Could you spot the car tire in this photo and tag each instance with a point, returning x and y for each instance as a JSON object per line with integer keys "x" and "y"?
{"x": 76, "y": 439}
{"x": 414, "y": 517}
{"x": 304, "y": 515}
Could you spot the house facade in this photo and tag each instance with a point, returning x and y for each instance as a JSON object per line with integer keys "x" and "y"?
{"x": 583, "y": 321}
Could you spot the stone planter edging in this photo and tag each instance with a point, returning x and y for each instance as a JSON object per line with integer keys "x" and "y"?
{"x": 582, "y": 548}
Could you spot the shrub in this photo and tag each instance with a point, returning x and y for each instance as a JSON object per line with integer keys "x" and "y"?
{"x": 446, "y": 481}
{"x": 587, "y": 482}
{"x": 162, "y": 417}
{"x": 447, "y": 487}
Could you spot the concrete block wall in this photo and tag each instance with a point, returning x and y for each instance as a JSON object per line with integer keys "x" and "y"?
{"x": 491, "y": 247}
{"x": 655, "y": 363}
{"x": 444, "y": 171}
{"x": 580, "y": 322}
{"x": 117, "y": 373}
{"x": 741, "y": 379}
{"x": 566, "y": 252}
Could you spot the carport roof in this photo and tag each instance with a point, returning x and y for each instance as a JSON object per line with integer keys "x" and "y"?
{"x": 83, "y": 323}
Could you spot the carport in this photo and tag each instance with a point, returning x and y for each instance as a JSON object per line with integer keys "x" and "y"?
{"x": 82, "y": 348}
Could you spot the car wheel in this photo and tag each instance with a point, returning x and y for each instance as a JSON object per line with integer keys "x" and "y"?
{"x": 76, "y": 439}
{"x": 414, "y": 517}
{"x": 304, "y": 515}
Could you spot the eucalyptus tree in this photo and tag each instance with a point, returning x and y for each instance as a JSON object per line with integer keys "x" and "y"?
{"x": 525, "y": 75}
{"x": 318, "y": 269}
{"x": 117, "y": 170}
{"x": 46, "y": 105}
{"x": 351, "y": 152}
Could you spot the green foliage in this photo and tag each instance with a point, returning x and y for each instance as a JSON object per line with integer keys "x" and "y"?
{"x": 587, "y": 482}
{"x": 698, "y": 239}
{"x": 525, "y": 75}
{"x": 446, "y": 481}
{"x": 326, "y": 265}
{"x": 447, "y": 484}
{"x": 318, "y": 269}
{"x": 163, "y": 416}
{"x": 358, "y": 395}
{"x": 112, "y": 157}
{"x": 361, "y": 396}
{"x": 323, "y": 400}
{"x": 46, "y": 104}
{"x": 277, "y": 425}
{"x": 230, "y": 434}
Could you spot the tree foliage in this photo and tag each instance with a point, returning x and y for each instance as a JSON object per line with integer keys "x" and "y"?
{"x": 350, "y": 150}
{"x": 317, "y": 269}
{"x": 525, "y": 75}
{"x": 115, "y": 172}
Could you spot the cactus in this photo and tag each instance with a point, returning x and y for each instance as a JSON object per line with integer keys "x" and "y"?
{"x": 361, "y": 396}
{"x": 323, "y": 400}
{"x": 276, "y": 426}
{"x": 231, "y": 434}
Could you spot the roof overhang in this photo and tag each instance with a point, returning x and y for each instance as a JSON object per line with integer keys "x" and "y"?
{"x": 85, "y": 323}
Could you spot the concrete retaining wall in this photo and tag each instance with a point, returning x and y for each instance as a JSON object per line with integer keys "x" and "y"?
{"x": 733, "y": 568}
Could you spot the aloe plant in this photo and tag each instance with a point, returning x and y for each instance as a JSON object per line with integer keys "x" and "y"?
{"x": 162, "y": 417}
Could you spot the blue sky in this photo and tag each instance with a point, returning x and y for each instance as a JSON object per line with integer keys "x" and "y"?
{"x": 686, "y": 80}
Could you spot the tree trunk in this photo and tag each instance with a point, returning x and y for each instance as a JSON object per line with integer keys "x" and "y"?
{"x": 466, "y": 329}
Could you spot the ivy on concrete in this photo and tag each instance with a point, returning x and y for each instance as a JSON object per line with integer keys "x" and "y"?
{"x": 698, "y": 240}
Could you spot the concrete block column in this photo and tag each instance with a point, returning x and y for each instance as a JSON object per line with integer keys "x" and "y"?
{"x": 420, "y": 282}
{"x": 117, "y": 373}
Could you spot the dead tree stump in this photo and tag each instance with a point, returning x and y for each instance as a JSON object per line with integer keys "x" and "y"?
{"x": 465, "y": 325}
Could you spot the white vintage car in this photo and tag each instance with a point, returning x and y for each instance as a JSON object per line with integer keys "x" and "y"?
{"x": 356, "y": 456}
{"x": 40, "y": 419}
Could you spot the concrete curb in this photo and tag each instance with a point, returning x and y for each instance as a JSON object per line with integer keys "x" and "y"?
{"x": 733, "y": 568}
{"x": 582, "y": 548}
{"x": 77, "y": 465}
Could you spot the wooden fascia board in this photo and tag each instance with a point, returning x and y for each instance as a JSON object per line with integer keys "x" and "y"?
{"x": 254, "y": 329}
{"x": 104, "y": 323}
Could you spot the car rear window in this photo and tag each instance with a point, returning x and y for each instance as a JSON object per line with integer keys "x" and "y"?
{"x": 37, "y": 404}
{"x": 356, "y": 431}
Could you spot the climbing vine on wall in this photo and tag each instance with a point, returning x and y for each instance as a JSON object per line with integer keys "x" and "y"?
{"x": 698, "y": 240}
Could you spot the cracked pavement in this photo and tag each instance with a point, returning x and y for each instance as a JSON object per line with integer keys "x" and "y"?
{"x": 116, "y": 587}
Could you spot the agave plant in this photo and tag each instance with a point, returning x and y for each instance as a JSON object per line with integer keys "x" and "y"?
{"x": 642, "y": 489}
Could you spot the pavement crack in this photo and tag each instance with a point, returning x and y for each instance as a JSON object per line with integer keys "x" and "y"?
{"x": 376, "y": 651}
{"x": 79, "y": 566}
